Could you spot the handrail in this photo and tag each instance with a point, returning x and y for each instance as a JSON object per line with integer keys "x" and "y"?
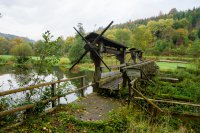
{"x": 29, "y": 106}
{"x": 138, "y": 64}
{"x": 37, "y": 86}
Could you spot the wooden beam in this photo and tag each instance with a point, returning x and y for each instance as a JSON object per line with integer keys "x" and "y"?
{"x": 111, "y": 51}
{"x": 167, "y": 79}
{"x": 109, "y": 74}
{"x": 150, "y": 102}
{"x": 138, "y": 64}
{"x": 29, "y": 106}
{"x": 37, "y": 86}
{"x": 170, "y": 102}
{"x": 115, "y": 66}
{"x": 108, "y": 79}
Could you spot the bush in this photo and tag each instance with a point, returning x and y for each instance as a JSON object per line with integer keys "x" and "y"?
{"x": 194, "y": 50}
{"x": 22, "y": 51}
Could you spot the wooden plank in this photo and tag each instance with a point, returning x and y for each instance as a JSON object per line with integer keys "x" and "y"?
{"x": 112, "y": 85}
{"x": 37, "y": 86}
{"x": 133, "y": 81}
{"x": 150, "y": 102}
{"x": 108, "y": 79}
{"x": 138, "y": 64}
{"x": 109, "y": 74}
{"x": 29, "y": 106}
{"x": 112, "y": 51}
{"x": 133, "y": 73}
{"x": 167, "y": 79}
{"x": 171, "y": 102}
{"x": 173, "y": 61}
{"x": 115, "y": 66}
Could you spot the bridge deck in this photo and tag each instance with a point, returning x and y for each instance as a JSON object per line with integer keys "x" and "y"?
{"x": 113, "y": 85}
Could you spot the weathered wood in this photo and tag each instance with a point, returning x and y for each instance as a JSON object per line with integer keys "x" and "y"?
{"x": 112, "y": 85}
{"x": 36, "y": 86}
{"x": 109, "y": 74}
{"x": 53, "y": 87}
{"x": 112, "y": 67}
{"x": 133, "y": 81}
{"x": 167, "y": 79}
{"x": 133, "y": 73}
{"x": 29, "y": 106}
{"x": 90, "y": 46}
{"x": 171, "y": 102}
{"x": 173, "y": 61}
{"x": 123, "y": 57}
{"x": 79, "y": 60}
{"x": 108, "y": 79}
{"x": 111, "y": 51}
{"x": 82, "y": 84}
{"x": 150, "y": 102}
{"x": 138, "y": 64}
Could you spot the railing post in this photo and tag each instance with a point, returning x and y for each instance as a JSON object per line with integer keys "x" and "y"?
{"x": 53, "y": 88}
{"x": 82, "y": 84}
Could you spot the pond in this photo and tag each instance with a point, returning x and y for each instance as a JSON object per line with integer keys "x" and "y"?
{"x": 15, "y": 77}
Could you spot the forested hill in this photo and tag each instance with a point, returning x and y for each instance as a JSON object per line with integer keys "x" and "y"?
{"x": 174, "y": 33}
{"x": 10, "y": 37}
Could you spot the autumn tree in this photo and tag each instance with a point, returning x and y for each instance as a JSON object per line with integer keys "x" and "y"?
{"x": 22, "y": 52}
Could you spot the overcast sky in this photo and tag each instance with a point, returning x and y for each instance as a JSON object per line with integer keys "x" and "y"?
{"x": 31, "y": 18}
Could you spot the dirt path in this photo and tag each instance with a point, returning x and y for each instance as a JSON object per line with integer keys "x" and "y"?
{"x": 96, "y": 107}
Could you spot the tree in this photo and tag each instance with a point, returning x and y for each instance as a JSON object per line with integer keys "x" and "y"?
{"x": 16, "y": 41}
{"x": 60, "y": 44}
{"x": 5, "y": 46}
{"x": 198, "y": 33}
{"x": 180, "y": 37}
{"x": 48, "y": 47}
{"x": 22, "y": 51}
{"x": 111, "y": 34}
{"x": 123, "y": 36}
{"x": 141, "y": 38}
{"x": 77, "y": 48}
{"x": 194, "y": 50}
{"x": 192, "y": 35}
{"x": 183, "y": 23}
{"x": 68, "y": 44}
{"x": 173, "y": 11}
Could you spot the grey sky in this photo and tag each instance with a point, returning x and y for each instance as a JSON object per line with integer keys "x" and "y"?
{"x": 31, "y": 18}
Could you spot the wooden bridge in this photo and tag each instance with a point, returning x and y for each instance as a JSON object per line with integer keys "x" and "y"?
{"x": 130, "y": 68}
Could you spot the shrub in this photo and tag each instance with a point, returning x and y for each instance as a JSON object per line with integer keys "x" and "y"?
{"x": 22, "y": 51}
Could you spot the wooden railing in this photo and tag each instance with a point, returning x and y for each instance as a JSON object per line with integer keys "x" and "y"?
{"x": 54, "y": 96}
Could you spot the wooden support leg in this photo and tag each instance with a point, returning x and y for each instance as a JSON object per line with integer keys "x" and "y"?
{"x": 82, "y": 84}
{"x": 129, "y": 94}
{"x": 53, "y": 87}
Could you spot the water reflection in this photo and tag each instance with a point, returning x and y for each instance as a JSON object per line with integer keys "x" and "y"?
{"x": 15, "y": 77}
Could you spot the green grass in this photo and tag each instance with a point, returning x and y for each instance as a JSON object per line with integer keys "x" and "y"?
{"x": 167, "y": 66}
{"x": 170, "y": 58}
{"x": 6, "y": 56}
{"x": 124, "y": 119}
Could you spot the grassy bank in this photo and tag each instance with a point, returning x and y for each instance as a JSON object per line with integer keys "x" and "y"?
{"x": 179, "y": 58}
{"x": 127, "y": 120}
{"x": 169, "y": 66}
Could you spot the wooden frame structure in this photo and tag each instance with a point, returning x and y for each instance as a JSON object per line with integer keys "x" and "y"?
{"x": 105, "y": 45}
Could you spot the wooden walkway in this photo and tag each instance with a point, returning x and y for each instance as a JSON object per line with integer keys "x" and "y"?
{"x": 140, "y": 70}
{"x": 113, "y": 85}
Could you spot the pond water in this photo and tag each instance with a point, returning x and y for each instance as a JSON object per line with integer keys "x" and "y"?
{"x": 15, "y": 77}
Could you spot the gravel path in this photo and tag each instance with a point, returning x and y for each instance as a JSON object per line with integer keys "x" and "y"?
{"x": 96, "y": 107}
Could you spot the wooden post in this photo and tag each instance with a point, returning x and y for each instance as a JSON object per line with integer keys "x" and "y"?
{"x": 129, "y": 94}
{"x": 53, "y": 87}
{"x": 98, "y": 70}
{"x": 82, "y": 84}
